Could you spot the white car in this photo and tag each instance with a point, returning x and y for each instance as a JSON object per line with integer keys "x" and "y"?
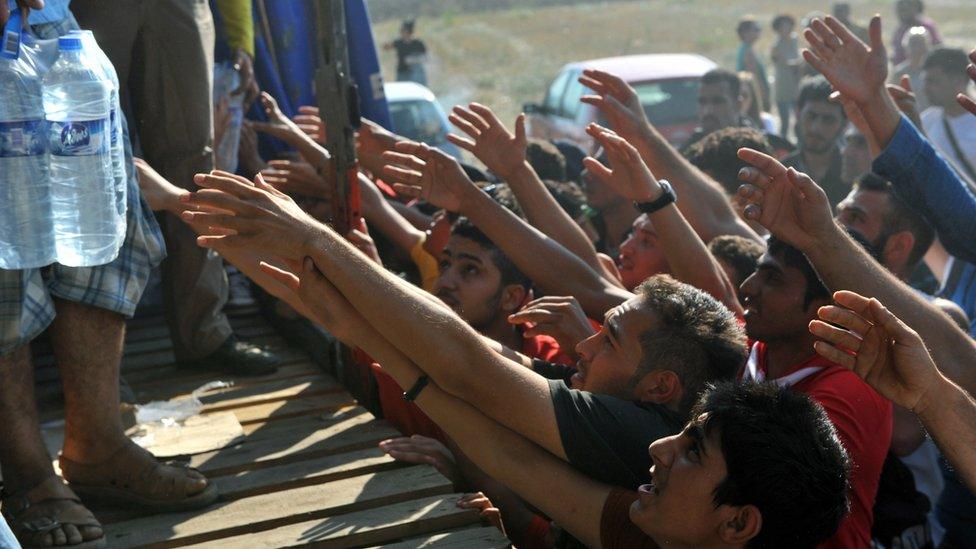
{"x": 417, "y": 115}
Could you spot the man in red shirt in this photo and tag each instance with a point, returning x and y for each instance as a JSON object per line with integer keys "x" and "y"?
{"x": 780, "y": 300}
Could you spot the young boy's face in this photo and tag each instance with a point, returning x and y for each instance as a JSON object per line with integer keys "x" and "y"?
{"x": 678, "y": 507}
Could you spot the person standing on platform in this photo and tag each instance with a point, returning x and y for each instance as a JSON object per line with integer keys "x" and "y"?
{"x": 163, "y": 52}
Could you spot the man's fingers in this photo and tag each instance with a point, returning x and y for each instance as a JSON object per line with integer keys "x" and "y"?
{"x": 309, "y": 109}
{"x": 287, "y": 278}
{"x": 486, "y": 114}
{"x": 834, "y": 354}
{"x": 402, "y": 175}
{"x": 409, "y": 191}
{"x": 462, "y": 142}
{"x": 906, "y": 82}
{"x": 814, "y": 60}
{"x": 874, "y": 34}
{"x": 896, "y": 329}
{"x": 841, "y": 31}
{"x": 218, "y": 220}
{"x": 755, "y": 178}
{"x": 826, "y": 34}
{"x": 804, "y": 183}
{"x": 768, "y": 165}
{"x": 520, "y": 138}
{"x": 852, "y": 301}
{"x": 837, "y": 337}
{"x": 535, "y": 316}
{"x": 846, "y": 318}
{"x": 593, "y": 84}
{"x": 229, "y": 184}
{"x": 598, "y": 170}
{"x": 464, "y": 125}
{"x": 967, "y": 103}
{"x": 471, "y": 118}
{"x": 817, "y": 44}
{"x": 404, "y": 160}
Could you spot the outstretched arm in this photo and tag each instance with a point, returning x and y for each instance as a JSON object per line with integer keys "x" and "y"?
{"x": 703, "y": 202}
{"x": 540, "y": 478}
{"x": 892, "y": 358}
{"x": 919, "y": 175}
{"x": 796, "y": 210}
{"x": 437, "y": 178}
{"x": 450, "y": 351}
{"x": 504, "y": 153}
{"x": 688, "y": 257}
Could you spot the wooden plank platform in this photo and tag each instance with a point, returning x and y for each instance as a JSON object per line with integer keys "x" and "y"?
{"x": 307, "y": 471}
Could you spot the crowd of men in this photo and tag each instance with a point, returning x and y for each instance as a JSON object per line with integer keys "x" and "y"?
{"x": 735, "y": 342}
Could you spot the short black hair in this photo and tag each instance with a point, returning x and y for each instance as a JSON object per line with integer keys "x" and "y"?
{"x": 738, "y": 251}
{"x": 816, "y": 89}
{"x": 899, "y": 217}
{"x": 782, "y": 19}
{"x": 574, "y": 156}
{"x": 408, "y": 25}
{"x": 697, "y": 337}
{"x": 952, "y": 61}
{"x": 793, "y": 257}
{"x": 782, "y": 455}
{"x": 717, "y": 76}
{"x": 545, "y": 159}
{"x": 745, "y": 24}
{"x": 717, "y": 154}
{"x": 510, "y": 274}
{"x": 569, "y": 195}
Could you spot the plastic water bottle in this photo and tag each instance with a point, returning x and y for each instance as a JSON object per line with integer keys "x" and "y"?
{"x": 77, "y": 104}
{"x": 97, "y": 56}
{"x": 226, "y": 80}
{"x": 26, "y": 229}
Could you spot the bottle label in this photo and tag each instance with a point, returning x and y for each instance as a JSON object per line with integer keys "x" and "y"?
{"x": 22, "y": 138}
{"x": 80, "y": 138}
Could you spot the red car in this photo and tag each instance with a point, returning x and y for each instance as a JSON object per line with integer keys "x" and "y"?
{"x": 667, "y": 85}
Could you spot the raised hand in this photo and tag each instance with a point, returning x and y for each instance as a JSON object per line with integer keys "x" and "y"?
{"x": 854, "y": 68}
{"x": 421, "y": 449}
{"x": 278, "y": 125}
{"x": 254, "y": 216}
{"x": 617, "y": 100}
{"x": 488, "y": 139}
{"x": 423, "y": 172}
{"x": 244, "y": 65}
{"x": 861, "y": 334}
{"x": 298, "y": 178}
{"x": 788, "y": 203}
{"x": 967, "y": 102}
{"x": 630, "y": 176}
{"x": 906, "y": 100}
{"x": 372, "y": 140}
{"x": 559, "y": 317}
{"x": 309, "y": 121}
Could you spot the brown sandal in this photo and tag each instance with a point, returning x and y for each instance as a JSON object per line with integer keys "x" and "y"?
{"x": 46, "y": 507}
{"x": 133, "y": 477}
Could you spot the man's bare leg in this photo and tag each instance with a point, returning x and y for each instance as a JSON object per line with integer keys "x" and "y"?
{"x": 24, "y": 459}
{"x": 88, "y": 345}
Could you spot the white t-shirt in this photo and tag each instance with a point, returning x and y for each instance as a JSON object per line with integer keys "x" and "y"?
{"x": 964, "y": 129}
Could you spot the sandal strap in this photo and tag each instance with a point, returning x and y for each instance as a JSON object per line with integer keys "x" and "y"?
{"x": 18, "y": 508}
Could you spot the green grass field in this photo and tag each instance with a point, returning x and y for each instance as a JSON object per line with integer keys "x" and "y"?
{"x": 506, "y": 57}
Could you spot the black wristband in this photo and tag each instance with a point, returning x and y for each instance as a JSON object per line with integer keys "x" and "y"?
{"x": 668, "y": 197}
{"x": 412, "y": 393}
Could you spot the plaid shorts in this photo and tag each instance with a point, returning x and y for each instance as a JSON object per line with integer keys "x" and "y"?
{"x": 26, "y": 304}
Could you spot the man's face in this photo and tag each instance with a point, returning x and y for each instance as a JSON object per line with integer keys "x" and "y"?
{"x": 640, "y": 255}
{"x": 941, "y": 88}
{"x": 677, "y": 507}
{"x": 469, "y": 283}
{"x": 609, "y": 358}
{"x": 855, "y": 157}
{"x": 864, "y": 212}
{"x": 820, "y": 125}
{"x": 773, "y": 301}
{"x": 718, "y": 107}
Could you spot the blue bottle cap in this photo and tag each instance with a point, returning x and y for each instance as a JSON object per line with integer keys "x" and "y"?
{"x": 69, "y": 43}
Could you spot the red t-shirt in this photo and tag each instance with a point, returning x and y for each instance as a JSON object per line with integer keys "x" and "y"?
{"x": 545, "y": 348}
{"x": 862, "y": 418}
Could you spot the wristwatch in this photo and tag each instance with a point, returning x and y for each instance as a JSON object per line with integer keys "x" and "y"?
{"x": 660, "y": 202}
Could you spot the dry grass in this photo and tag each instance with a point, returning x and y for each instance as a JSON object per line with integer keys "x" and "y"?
{"x": 504, "y": 58}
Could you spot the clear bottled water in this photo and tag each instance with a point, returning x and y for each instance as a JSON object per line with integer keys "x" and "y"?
{"x": 77, "y": 105}
{"x": 98, "y": 57}
{"x": 26, "y": 230}
{"x": 226, "y": 80}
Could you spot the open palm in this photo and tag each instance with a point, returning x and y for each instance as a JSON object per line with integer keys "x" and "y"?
{"x": 488, "y": 139}
{"x": 788, "y": 203}
{"x": 427, "y": 173}
{"x": 854, "y": 68}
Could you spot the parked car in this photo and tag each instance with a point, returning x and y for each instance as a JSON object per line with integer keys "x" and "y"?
{"x": 667, "y": 85}
{"x": 417, "y": 115}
